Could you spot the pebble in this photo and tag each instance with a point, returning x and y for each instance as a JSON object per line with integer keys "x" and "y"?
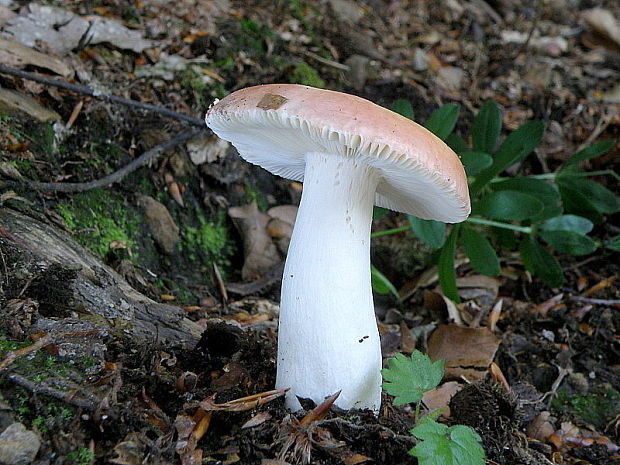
{"x": 18, "y": 445}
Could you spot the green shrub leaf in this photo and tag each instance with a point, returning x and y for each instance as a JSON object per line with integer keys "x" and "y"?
{"x": 569, "y": 242}
{"x": 578, "y": 204}
{"x": 601, "y": 198}
{"x": 475, "y": 162}
{"x": 595, "y": 150}
{"x": 508, "y": 205}
{"x": 481, "y": 255}
{"x": 574, "y": 223}
{"x": 538, "y": 261}
{"x": 518, "y": 145}
{"x": 457, "y": 143}
{"x": 442, "y": 121}
{"x": 407, "y": 379}
{"x": 445, "y": 265}
{"x": 403, "y": 107}
{"x": 486, "y": 128}
{"x": 381, "y": 284}
{"x": 614, "y": 243}
{"x": 431, "y": 232}
{"x": 443, "y": 445}
{"x": 544, "y": 191}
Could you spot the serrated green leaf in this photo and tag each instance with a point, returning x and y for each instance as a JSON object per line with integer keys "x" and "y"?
{"x": 486, "y": 128}
{"x": 574, "y": 223}
{"x": 445, "y": 265}
{"x": 600, "y": 197}
{"x": 457, "y": 143}
{"x": 595, "y": 150}
{"x": 381, "y": 284}
{"x": 474, "y": 162}
{"x": 431, "y": 232}
{"x": 538, "y": 261}
{"x": 508, "y": 206}
{"x": 403, "y": 107}
{"x": 481, "y": 255}
{"x": 442, "y": 121}
{"x": 443, "y": 445}
{"x": 613, "y": 243}
{"x": 569, "y": 242}
{"x": 518, "y": 145}
{"x": 407, "y": 379}
{"x": 544, "y": 191}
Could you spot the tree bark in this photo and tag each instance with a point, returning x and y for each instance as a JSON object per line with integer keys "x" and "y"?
{"x": 99, "y": 293}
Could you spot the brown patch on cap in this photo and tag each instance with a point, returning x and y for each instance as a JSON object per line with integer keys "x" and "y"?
{"x": 271, "y": 102}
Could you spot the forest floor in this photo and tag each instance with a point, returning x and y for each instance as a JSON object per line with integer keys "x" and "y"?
{"x": 197, "y": 229}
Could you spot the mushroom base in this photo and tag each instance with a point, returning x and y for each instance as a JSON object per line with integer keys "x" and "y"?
{"x": 328, "y": 339}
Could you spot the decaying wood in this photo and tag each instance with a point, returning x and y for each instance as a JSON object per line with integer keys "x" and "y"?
{"x": 100, "y": 294}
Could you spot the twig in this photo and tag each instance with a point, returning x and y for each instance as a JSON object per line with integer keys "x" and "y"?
{"x": 112, "y": 178}
{"x": 39, "y": 388}
{"x": 102, "y": 96}
{"x": 15, "y": 354}
{"x": 588, "y": 300}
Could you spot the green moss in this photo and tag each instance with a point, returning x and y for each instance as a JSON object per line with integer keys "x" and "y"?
{"x": 208, "y": 242}
{"x": 252, "y": 194}
{"x": 82, "y": 456}
{"x": 306, "y": 75}
{"x": 97, "y": 218}
{"x": 597, "y": 408}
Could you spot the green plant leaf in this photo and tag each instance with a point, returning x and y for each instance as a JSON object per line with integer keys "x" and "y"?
{"x": 457, "y": 143}
{"x": 407, "y": 379}
{"x": 578, "y": 204}
{"x": 508, "y": 205}
{"x": 569, "y": 242}
{"x": 518, "y": 145}
{"x": 442, "y": 121}
{"x": 381, "y": 284}
{"x": 443, "y": 445}
{"x": 403, "y": 107}
{"x": 614, "y": 243}
{"x": 481, "y": 255}
{"x": 603, "y": 200}
{"x": 538, "y": 261}
{"x": 543, "y": 190}
{"x": 379, "y": 212}
{"x": 475, "y": 162}
{"x": 445, "y": 265}
{"x": 574, "y": 223}
{"x": 595, "y": 150}
{"x": 486, "y": 128}
{"x": 431, "y": 232}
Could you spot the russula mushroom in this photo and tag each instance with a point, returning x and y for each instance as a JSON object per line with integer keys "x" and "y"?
{"x": 350, "y": 154}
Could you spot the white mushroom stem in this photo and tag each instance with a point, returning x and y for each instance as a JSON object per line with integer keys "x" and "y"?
{"x": 328, "y": 337}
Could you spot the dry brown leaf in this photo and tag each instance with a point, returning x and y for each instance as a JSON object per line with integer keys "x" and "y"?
{"x": 467, "y": 351}
{"x": 17, "y": 55}
{"x": 541, "y": 428}
{"x": 355, "y": 458}
{"x": 258, "y": 419}
{"x": 439, "y": 397}
{"x": 243, "y": 403}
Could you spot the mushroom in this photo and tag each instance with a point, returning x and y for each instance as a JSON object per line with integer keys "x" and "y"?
{"x": 350, "y": 154}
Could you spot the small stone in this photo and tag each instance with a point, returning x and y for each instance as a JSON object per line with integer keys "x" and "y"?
{"x": 162, "y": 226}
{"x": 451, "y": 78}
{"x": 18, "y": 445}
{"x": 420, "y": 60}
{"x": 578, "y": 382}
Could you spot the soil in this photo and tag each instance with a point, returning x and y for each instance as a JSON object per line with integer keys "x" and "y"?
{"x": 106, "y": 390}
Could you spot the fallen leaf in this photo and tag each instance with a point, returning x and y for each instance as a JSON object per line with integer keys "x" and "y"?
{"x": 439, "y": 397}
{"x": 207, "y": 149}
{"x": 467, "y": 351}
{"x": 258, "y": 419}
{"x": 18, "y": 56}
{"x": 62, "y": 31}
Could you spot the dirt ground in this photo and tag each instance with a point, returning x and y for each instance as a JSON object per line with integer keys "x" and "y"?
{"x": 166, "y": 381}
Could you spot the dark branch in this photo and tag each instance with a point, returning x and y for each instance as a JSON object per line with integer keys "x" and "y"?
{"x": 101, "y": 96}
{"x": 112, "y": 178}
